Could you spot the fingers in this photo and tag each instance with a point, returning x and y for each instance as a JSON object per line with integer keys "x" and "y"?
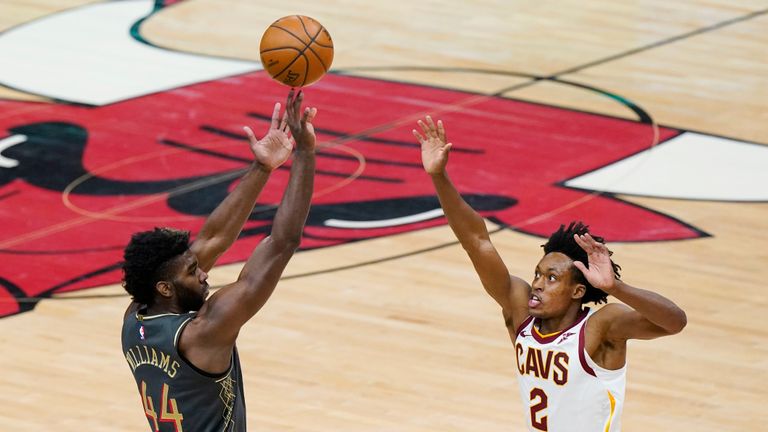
{"x": 251, "y": 136}
{"x": 425, "y": 128}
{"x": 293, "y": 109}
{"x": 589, "y": 244}
{"x": 579, "y": 265}
{"x": 294, "y": 100}
{"x": 583, "y": 242}
{"x": 290, "y": 101}
{"x": 431, "y": 124}
{"x": 299, "y": 100}
{"x": 418, "y": 136}
{"x": 289, "y": 110}
{"x": 430, "y": 130}
{"x": 309, "y": 115}
{"x": 441, "y": 131}
{"x": 275, "y": 116}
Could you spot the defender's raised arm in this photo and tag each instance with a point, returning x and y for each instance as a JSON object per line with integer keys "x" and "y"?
{"x": 644, "y": 315}
{"x": 469, "y": 227}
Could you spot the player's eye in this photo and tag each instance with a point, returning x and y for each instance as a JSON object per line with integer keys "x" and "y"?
{"x": 552, "y": 278}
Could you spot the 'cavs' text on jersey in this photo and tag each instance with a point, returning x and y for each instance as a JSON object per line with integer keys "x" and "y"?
{"x": 552, "y": 365}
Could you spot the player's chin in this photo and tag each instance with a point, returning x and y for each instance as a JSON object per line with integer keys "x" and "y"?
{"x": 199, "y": 303}
{"x": 537, "y": 311}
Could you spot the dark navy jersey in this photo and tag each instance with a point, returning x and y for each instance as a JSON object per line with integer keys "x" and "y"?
{"x": 177, "y": 396}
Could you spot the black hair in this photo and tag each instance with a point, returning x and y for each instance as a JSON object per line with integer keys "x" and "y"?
{"x": 145, "y": 260}
{"x": 562, "y": 241}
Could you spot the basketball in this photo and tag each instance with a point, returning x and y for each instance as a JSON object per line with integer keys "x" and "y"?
{"x": 296, "y": 50}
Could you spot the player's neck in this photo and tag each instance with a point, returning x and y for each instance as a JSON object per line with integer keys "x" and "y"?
{"x": 161, "y": 307}
{"x": 557, "y": 324}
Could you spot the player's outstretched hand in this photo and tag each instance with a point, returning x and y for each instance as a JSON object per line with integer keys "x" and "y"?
{"x": 434, "y": 147}
{"x": 275, "y": 147}
{"x": 600, "y": 272}
{"x": 300, "y": 122}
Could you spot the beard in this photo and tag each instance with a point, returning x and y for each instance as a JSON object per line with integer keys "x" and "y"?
{"x": 189, "y": 300}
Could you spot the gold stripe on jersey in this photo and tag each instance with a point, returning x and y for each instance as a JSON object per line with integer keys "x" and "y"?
{"x": 178, "y": 332}
{"x": 546, "y": 335}
{"x": 610, "y": 416}
{"x": 141, "y": 317}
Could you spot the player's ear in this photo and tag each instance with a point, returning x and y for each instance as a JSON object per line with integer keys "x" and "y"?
{"x": 579, "y": 291}
{"x": 164, "y": 288}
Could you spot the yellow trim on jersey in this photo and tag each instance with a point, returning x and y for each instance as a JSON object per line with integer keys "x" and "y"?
{"x": 178, "y": 330}
{"x": 613, "y": 407}
{"x": 546, "y": 335}
{"x": 149, "y": 317}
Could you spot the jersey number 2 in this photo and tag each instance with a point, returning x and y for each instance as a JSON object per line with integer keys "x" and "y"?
{"x": 166, "y": 415}
{"x": 540, "y": 398}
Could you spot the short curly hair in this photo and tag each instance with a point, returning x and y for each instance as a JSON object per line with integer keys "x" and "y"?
{"x": 145, "y": 259}
{"x": 562, "y": 241}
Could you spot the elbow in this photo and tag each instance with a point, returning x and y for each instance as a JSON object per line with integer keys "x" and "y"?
{"x": 681, "y": 320}
{"x": 477, "y": 244}
{"x": 286, "y": 244}
{"x": 473, "y": 240}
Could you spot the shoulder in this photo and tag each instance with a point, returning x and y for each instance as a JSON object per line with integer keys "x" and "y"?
{"x": 611, "y": 310}
{"x": 599, "y": 322}
{"x": 519, "y": 286}
{"x": 519, "y": 292}
{"x": 132, "y": 308}
{"x": 517, "y": 313}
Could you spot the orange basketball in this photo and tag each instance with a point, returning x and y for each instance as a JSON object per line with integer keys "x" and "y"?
{"x": 296, "y": 50}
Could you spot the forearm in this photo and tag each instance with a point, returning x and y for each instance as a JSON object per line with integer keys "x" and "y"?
{"x": 226, "y": 221}
{"x": 469, "y": 228}
{"x": 292, "y": 213}
{"x": 262, "y": 270}
{"x": 465, "y": 222}
{"x": 654, "y": 307}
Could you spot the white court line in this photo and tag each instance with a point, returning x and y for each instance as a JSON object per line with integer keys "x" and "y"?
{"x": 6, "y": 143}
{"x": 419, "y": 217}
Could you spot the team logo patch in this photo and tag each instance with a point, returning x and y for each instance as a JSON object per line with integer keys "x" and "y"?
{"x": 565, "y": 336}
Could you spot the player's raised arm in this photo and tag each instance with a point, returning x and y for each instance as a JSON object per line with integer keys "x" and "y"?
{"x": 647, "y": 315}
{"x": 220, "y": 319}
{"x": 469, "y": 227}
{"x": 223, "y": 226}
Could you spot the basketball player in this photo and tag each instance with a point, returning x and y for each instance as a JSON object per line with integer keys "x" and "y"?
{"x": 179, "y": 344}
{"x": 571, "y": 359}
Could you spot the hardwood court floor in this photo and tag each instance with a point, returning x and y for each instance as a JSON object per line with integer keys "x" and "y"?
{"x": 403, "y": 338}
